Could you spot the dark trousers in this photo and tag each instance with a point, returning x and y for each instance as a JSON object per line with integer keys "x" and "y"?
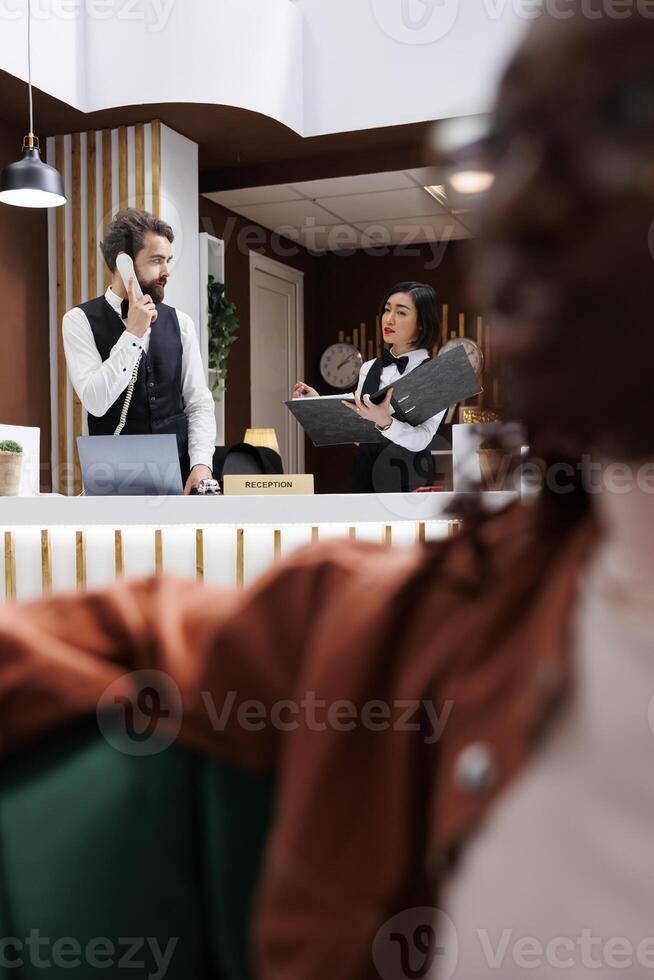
{"x": 387, "y": 468}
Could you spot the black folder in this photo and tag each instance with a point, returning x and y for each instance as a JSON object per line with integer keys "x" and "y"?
{"x": 427, "y": 390}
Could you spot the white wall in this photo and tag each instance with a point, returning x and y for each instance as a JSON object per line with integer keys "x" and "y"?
{"x": 58, "y": 66}
{"x": 446, "y": 64}
{"x": 318, "y": 66}
{"x": 179, "y": 207}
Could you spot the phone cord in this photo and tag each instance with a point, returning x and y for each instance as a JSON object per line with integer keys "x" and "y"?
{"x": 128, "y": 397}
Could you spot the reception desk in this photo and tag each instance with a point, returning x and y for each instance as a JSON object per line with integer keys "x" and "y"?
{"x": 52, "y": 543}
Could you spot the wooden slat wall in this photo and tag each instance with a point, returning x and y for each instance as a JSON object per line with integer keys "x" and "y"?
{"x": 88, "y": 211}
{"x": 156, "y": 168}
{"x": 76, "y": 206}
{"x": 139, "y": 153}
{"x": 123, "y": 192}
{"x": 61, "y": 479}
{"x": 107, "y": 180}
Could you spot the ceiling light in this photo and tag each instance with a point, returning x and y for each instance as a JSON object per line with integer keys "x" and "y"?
{"x": 30, "y": 183}
{"x": 472, "y": 181}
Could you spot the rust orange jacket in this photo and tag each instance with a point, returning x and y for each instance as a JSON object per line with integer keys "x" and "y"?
{"x": 382, "y": 668}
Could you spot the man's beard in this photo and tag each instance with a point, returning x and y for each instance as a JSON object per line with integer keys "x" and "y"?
{"x": 154, "y": 289}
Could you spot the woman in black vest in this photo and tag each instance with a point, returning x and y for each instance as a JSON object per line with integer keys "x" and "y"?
{"x": 403, "y": 462}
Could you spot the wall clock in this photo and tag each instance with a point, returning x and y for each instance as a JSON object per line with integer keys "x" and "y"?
{"x": 340, "y": 366}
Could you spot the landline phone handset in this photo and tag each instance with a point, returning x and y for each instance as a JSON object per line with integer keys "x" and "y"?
{"x": 125, "y": 266}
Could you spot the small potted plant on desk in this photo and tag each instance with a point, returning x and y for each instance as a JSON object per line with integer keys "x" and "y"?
{"x": 11, "y": 461}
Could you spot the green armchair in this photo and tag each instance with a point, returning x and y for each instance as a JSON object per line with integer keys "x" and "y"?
{"x": 111, "y": 863}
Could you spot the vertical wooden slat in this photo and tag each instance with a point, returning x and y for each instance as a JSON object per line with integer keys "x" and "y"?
{"x": 139, "y": 153}
{"x": 445, "y": 332}
{"x": 315, "y": 535}
{"x": 107, "y": 197}
{"x": 199, "y": 555}
{"x": 462, "y": 324}
{"x": 80, "y": 560}
{"x": 158, "y": 551}
{"x": 453, "y": 528}
{"x": 277, "y": 544}
{"x": 46, "y": 562}
{"x": 420, "y": 533}
{"x": 123, "y": 191}
{"x": 352, "y": 533}
{"x": 388, "y": 535}
{"x": 10, "y": 565}
{"x": 76, "y": 209}
{"x": 341, "y": 336}
{"x": 362, "y": 334}
{"x": 240, "y": 557}
{"x": 62, "y": 383}
{"x": 156, "y": 168}
{"x": 91, "y": 216}
{"x": 118, "y": 553}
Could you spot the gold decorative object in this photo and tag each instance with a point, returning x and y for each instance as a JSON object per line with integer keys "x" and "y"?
{"x": 472, "y": 415}
{"x": 46, "y": 562}
{"x": 240, "y": 557}
{"x": 199, "y": 555}
{"x": 10, "y": 565}
{"x": 262, "y": 437}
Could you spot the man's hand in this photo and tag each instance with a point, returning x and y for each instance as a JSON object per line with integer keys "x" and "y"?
{"x": 378, "y": 414}
{"x": 142, "y": 312}
{"x": 199, "y": 472}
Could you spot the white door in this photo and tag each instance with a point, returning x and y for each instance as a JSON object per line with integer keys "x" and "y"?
{"x": 276, "y": 344}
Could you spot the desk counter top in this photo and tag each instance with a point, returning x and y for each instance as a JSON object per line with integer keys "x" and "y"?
{"x": 156, "y": 511}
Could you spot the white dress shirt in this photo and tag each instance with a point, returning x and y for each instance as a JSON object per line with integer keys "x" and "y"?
{"x": 411, "y": 437}
{"x": 100, "y": 383}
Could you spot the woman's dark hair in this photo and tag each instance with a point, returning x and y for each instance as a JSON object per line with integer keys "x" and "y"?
{"x": 127, "y": 231}
{"x": 429, "y": 320}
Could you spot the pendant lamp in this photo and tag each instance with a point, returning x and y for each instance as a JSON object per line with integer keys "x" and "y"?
{"x": 30, "y": 183}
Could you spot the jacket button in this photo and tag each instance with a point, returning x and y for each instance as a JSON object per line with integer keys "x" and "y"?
{"x": 153, "y": 399}
{"x": 475, "y": 769}
{"x": 151, "y": 384}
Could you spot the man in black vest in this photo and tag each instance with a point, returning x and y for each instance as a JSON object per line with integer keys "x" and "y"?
{"x": 115, "y": 336}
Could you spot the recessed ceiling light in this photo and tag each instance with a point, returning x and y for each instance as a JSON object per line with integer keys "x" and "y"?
{"x": 472, "y": 181}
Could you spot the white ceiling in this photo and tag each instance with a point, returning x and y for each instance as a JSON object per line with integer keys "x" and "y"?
{"x": 353, "y": 212}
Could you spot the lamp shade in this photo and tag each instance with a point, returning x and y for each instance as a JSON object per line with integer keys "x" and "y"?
{"x": 30, "y": 183}
{"x": 262, "y": 437}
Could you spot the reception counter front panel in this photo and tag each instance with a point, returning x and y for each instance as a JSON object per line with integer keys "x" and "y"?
{"x": 62, "y": 543}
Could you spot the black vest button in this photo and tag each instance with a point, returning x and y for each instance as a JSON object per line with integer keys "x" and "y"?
{"x": 153, "y": 399}
{"x": 151, "y": 384}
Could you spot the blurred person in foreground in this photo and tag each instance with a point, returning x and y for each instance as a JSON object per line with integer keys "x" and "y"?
{"x": 503, "y": 775}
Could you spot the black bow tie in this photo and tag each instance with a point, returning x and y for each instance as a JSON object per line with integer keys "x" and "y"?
{"x": 399, "y": 362}
{"x": 124, "y": 308}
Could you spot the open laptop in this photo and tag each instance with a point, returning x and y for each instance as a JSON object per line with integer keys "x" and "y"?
{"x": 128, "y": 466}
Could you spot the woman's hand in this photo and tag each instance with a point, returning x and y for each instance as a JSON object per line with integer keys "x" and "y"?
{"x": 378, "y": 414}
{"x": 304, "y": 391}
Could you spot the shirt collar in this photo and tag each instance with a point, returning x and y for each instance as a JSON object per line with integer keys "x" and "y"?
{"x": 415, "y": 355}
{"x": 114, "y": 301}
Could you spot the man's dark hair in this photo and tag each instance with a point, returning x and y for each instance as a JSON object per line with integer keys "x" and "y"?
{"x": 127, "y": 231}
{"x": 429, "y": 321}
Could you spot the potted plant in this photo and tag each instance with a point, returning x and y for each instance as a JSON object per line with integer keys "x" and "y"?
{"x": 223, "y": 332}
{"x": 11, "y": 461}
